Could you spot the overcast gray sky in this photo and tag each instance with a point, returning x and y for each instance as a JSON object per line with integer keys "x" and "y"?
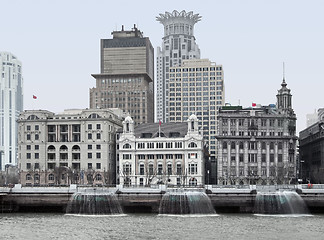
{"x": 58, "y": 44}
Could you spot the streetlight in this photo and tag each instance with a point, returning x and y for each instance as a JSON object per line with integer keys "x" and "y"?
{"x": 301, "y": 170}
{"x": 1, "y": 154}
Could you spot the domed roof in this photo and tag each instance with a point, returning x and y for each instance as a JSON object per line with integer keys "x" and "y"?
{"x": 128, "y": 119}
{"x": 193, "y": 117}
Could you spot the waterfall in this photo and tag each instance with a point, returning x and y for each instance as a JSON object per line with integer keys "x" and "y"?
{"x": 93, "y": 203}
{"x": 186, "y": 203}
{"x": 279, "y": 202}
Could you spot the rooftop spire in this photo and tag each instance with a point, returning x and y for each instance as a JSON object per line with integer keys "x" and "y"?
{"x": 284, "y": 84}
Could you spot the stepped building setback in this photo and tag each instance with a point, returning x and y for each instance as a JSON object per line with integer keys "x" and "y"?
{"x": 11, "y": 104}
{"x": 73, "y": 147}
{"x": 126, "y": 75}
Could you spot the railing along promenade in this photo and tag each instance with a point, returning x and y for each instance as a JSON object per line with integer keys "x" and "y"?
{"x": 225, "y": 198}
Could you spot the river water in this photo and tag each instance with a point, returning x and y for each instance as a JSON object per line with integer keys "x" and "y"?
{"x": 152, "y": 226}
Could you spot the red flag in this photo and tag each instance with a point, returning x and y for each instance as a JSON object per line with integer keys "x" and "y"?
{"x": 253, "y": 104}
{"x": 34, "y": 97}
{"x": 160, "y": 122}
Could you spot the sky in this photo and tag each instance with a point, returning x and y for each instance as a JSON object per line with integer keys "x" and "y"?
{"x": 58, "y": 43}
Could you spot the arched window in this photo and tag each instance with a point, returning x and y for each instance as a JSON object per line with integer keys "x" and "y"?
{"x": 94, "y": 115}
{"x": 51, "y": 177}
{"x": 28, "y": 177}
{"x": 233, "y": 145}
{"x": 51, "y": 148}
{"x": 98, "y": 177}
{"x": 76, "y": 148}
{"x": 32, "y": 117}
{"x": 224, "y": 145}
{"x": 127, "y": 146}
{"x": 89, "y": 177}
{"x": 63, "y": 148}
{"x": 36, "y": 177}
{"x": 192, "y": 145}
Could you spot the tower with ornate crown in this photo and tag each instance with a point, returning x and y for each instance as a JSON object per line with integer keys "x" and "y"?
{"x": 178, "y": 44}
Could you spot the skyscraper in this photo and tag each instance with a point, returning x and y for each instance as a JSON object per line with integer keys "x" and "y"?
{"x": 11, "y": 104}
{"x": 178, "y": 44}
{"x": 197, "y": 87}
{"x": 127, "y": 74}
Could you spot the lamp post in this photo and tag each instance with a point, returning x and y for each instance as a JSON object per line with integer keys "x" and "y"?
{"x": 301, "y": 170}
{"x": 1, "y": 154}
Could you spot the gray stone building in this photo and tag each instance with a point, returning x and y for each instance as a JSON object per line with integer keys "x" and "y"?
{"x": 170, "y": 153}
{"x": 257, "y": 145}
{"x": 311, "y": 153}
{"x": 126, "y": 75}
{"x": 73, "y": 147}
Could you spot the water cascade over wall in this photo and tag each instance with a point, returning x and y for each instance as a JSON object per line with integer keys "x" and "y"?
{"x": 279, "y": 202}
{"x": 186, "y": 203}
{"x": 94, "y": 203}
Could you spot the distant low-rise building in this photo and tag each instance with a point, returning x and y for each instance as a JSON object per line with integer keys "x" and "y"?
{"x": 168, "y": 153}
{"x": 73, "y": 147}
{"x": 311, "y": 153}
{"x": 257, "y": 145}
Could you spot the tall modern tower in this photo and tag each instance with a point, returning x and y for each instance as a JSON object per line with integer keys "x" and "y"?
{"x": 178, "y": 44}
{"x": 11, "y": 104}
{"x": 127, "y": 74}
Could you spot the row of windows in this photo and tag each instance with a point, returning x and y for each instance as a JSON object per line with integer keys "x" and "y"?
{"x": 253, "y": 158}
{"x": 199, "y": 69}
{"x": 252, "y": 145}
{"x": 253, "y": 171}
{"x": 186, "y": 99}
{"x": 37, "y": 166}
{"x": 250, "y": 122}
{"x": 159, "y": 156}
{"x": 142, "y": 145}
{"x": 121, "y": 80}
{"x": 151, "y": 170}
{"x": 52, "y": 148}
{"x": 36, "y": 127}
{"x": 51, "y": 177}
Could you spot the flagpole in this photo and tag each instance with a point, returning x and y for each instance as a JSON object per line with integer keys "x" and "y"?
{"x": 159, "y": 128}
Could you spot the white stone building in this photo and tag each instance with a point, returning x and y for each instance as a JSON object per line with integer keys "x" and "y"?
{"x": 178, "y": 44}
{"x": 11, "y": 104}
{"x": 76, "y": 146}
{"x": 169, "y": 153}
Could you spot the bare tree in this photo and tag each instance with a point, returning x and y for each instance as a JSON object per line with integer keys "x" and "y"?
{"x": 150, "y": 173}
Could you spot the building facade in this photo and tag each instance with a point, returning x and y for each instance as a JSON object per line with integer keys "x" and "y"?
{"x": 178, "y": 44}
{"x": 311, "y": 153}
{"x": 168, "y": 153}
{"x": 126, "y": 77}
{"x": 11, "y": 104}
{"x": 73, "y": 147}
{"x": 197, "y": 87}
{"x": 257, "y": 145}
